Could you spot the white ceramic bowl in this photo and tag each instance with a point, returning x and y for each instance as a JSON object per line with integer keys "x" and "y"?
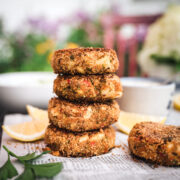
{"x": 146, "y": 96}
{"x": 21, "y": 88}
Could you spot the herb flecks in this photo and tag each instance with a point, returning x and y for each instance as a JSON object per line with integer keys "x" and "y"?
{"x": 72, "y": 57}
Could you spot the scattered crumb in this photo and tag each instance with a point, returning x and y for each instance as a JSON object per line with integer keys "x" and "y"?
{"x": 118, "y": 146}
{"x": 55, "y": 153}
{"x": 9, "y": 143}
{"x": 38, "y": 148}
{"x": 46, "y": 149}
{"x": 37, "y": 142}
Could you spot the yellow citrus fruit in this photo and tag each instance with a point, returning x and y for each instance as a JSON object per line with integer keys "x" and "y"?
{"x": 127, "y": 120}
{"x": 176, "y": 101}
{"x": 31, "y": 130}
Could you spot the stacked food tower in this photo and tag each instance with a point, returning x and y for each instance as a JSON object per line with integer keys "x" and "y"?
{"x": 81, "y": 115}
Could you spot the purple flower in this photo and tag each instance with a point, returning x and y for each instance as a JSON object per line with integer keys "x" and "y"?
{"x": 43, "y": 25}
{"x": 141, "y": 32}
{"x": 82, "y": 16}
{"x": 78, "y": 18}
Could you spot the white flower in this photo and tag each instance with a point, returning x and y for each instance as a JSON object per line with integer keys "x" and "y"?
{"x": 163, "y": 38}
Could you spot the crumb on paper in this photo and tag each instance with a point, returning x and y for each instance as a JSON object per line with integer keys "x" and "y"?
{"x": 55, "y": 153}
{"x": 46, "y": 149}
{"x": 9, "y": 143}
{"x": 118, "y": 146}
{"x": 37, "y": 142}
{"x": 38, "y": 148}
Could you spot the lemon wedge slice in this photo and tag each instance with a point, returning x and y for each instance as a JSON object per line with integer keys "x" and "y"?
{"x": 127, "y": 120}
{"x": 31, "y": 130}
{"x": 176, "y": 101}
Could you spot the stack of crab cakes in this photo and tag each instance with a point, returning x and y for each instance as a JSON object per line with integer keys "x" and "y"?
{"x": 81, "y": 115}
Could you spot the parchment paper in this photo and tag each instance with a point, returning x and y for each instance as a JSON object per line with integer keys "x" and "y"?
{"x": 117, "y": 164}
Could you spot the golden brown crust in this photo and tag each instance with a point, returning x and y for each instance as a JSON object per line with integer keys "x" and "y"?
{"x": 92, "y": 88}
{"x": 84, "y": 144}
{"x": 80, "y": 117}
{"x": 85, "y": 61}
{"x": 156, "y": 142}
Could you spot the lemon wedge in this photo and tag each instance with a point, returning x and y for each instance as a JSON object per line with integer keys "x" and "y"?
{"x": 127, "y": 120}
{"x": 31, "y": 130}
{"x": 176, "y": 101}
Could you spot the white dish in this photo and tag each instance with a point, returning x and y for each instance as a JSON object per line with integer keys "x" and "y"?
{"x": 21, "y": 88}
{"x": 146, "y": 96}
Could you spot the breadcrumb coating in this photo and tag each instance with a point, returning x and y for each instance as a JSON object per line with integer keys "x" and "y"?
{"x": 85, "y": 61}
{"x": 80, "y": 117}
{"x": 92, "y": 88}
{"x": 156, "y": 142}
{"x": 85, "y": 144}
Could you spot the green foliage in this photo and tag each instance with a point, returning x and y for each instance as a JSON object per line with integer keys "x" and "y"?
{"x": 32, "y": 51}
{"x": 27, "y": 157}
{"x": 45, "y": 170}
{"x": 26, "y": 175}
{"x": 81, "y": 35}
{"x": 22, "y": 55}
{"x": 7, "y": 170}
{"x": 31, "y": 171}
{"x": 172, "y": 60}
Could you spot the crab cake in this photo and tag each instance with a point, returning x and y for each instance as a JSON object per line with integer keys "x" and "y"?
{"x": 85, "y": 61}
{"x": 156, "y": 142}
{"x": 82, "y": 116}
{"x": 83, "y": 144}
{"x": 93, "y": 88}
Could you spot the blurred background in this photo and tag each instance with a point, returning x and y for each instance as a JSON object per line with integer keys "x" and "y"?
{"x": 31, "y": 30}
{"x": 144, "y": 33}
